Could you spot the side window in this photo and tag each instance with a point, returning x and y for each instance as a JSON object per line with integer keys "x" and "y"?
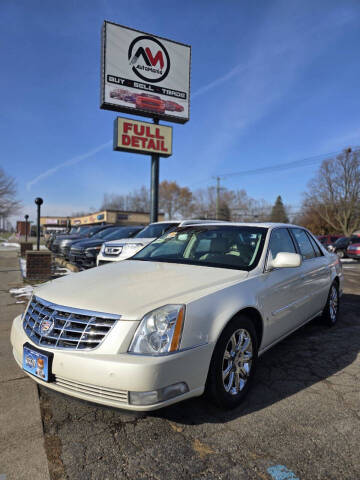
{"x": 280, "y": 241}
{"x": 303, "y": 241}
{"x": 318, "y": 252}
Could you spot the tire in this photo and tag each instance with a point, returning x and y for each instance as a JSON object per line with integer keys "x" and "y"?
{"x": 340, "y": 253}
{"x": 230, "y": 375}
{"x": 331, "y": 311}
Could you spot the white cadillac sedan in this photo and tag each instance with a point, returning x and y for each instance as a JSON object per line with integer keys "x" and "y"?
{"x": 189, "y": 313}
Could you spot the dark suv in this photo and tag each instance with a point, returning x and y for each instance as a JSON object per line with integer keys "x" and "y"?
{"x": 340, "y": 246}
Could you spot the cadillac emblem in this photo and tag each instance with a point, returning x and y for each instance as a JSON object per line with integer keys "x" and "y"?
{"x": 47, "y": 324}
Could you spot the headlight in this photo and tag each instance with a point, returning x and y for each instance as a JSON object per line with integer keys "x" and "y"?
{"x": 159, "y": 331}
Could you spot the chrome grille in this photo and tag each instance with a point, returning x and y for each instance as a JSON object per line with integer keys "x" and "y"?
{"x": 56, "y": 326}
{"x": 76, "y": 250}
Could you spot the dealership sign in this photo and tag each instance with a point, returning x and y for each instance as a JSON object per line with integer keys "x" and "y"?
{"x": 142, "y": 137}
{"x": 144, "y": 75}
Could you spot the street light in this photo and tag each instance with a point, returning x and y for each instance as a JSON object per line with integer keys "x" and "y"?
{"x": 26, "y": 227}
{"x": 39, "y": 201}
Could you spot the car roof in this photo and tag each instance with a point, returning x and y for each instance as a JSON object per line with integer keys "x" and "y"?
{"x": 269, "y": 225}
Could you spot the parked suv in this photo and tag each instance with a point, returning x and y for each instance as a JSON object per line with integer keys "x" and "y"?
{"x": 341, "y": 245}
{"x": 328, "y": 239}
{"x": 67, "y": 241}
{"x": 84, "y": 252}
{"x": 125, "y": 248}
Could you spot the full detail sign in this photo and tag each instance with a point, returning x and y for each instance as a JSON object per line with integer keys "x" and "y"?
{"x": 144, "y": 75}
{"x": 142, "y": 137}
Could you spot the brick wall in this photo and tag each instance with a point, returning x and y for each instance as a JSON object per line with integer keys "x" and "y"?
{"x": 38, "y": 264}
{"x": 25, "y": 246}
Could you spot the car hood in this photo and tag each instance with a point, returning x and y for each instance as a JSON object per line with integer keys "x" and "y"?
{"x": 124, "y": 241}
{"x": 132, "y": 288}
{"x": 67, "y": 237}
{"x": 88, "y": 243}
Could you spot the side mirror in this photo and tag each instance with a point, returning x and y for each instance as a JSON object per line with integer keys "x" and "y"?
{"x": 286, "y": 260}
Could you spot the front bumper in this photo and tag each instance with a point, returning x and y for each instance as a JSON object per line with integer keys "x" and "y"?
{"x": 82, "y": 259}
{"x": 351, "y": 254}
{"x": 108, "y": 378}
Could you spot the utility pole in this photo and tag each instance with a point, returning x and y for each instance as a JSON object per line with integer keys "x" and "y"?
{"x": 217, "y": 197}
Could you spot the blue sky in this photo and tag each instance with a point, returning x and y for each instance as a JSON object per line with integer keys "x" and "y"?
{"x": 271, "y": 82}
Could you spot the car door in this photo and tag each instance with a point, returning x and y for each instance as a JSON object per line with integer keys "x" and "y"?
{"x": 315, "y": 273}
{"x": 282, "y": 294}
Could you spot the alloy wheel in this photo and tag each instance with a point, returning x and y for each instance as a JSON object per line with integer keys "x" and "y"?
{"x": 333, "y": 304}
{"x": 237, "y": 361}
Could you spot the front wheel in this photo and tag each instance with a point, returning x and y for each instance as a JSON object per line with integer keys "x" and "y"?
{"x": 233, "y": 363}
{"x": 331, "y": 311}
{"x": 340, "y": 253}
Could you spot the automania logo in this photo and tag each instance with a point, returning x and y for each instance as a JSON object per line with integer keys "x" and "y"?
{"x": 149, "y": 59}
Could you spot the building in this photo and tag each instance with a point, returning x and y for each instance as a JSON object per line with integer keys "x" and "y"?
{"x": 118, "y": 217}
{"x": 21, "y": 227}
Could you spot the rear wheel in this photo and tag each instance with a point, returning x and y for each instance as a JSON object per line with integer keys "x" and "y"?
{"x": 340, "y": 253}
{"x": 331, "y": 311}
{"x": 233, "y": 363}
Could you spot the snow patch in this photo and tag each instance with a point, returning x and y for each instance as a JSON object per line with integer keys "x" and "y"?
{"x": 23, "y": 267}
{"x": 9, "y": 245}
{"x": 23, "y": 292}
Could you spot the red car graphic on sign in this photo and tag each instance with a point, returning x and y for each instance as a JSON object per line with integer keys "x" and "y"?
{"x": 173, "y": 106}
{"x": 153, "y": 103}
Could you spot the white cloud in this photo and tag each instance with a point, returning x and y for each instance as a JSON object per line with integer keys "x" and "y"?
{"x": 67, "y": 163}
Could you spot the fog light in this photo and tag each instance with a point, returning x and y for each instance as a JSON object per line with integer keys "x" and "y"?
{"x": 156, "y": 396}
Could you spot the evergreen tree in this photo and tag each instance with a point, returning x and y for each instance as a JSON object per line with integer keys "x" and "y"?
{"x": 224, "y": 212}
{"x": 278, "y": 212}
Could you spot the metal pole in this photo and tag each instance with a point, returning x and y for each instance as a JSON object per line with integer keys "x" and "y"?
{"x": 38, "y": 202}
{"x": 217, "y": 197}
{"x": 38, "y": 228}
{"x": 26, "y": 227}
{"x": 154, "y": 186}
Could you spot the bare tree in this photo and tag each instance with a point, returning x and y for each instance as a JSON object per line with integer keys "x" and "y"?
{"x": 174, "y": 200}
{"x": 112, "y": 201}
{"x": 334, "y": 193}
{"x": 138, "y": 200}
{"x": 9, "y": 205}
{"x": 242, "y": 207}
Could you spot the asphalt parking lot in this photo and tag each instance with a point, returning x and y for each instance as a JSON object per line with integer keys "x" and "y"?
{"x": 300, "y": 421}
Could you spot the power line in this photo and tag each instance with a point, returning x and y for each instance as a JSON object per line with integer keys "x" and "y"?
{"x": 279, "y": 166}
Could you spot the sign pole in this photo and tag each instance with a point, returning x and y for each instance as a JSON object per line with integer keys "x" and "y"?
{"x": 154, "y": 186}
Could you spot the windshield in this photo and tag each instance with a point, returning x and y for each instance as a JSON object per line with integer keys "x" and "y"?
{"x": 213, "y": 246}
{"x": 92, "y": 231}
{"x": 155, "y": 230}
{"x": 82, "y": 229}
{"x": 105, "y": 232}
{"x": 122, "y": 233}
